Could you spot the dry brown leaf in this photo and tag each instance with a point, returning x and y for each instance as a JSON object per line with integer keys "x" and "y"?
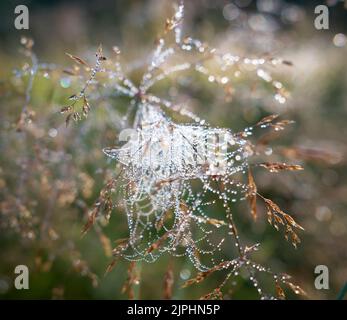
{"x": 276, "y": 166}
{"x": 276, "y": 217}
{"x": 280, "y": 125}
{"x": 111, "y": 265}
{"x": 203, "y": 275}
{"x": 279, "y": 292}
{"x": 215, "y": 222}
{"x": 77, "y": 59}
{"x": 267, "y": 119}
{"x": 131, "y": 280}
{"x": 216, "y": 294}
{"x": 168, "y": 283}
{"x": 252, "y": 194}
{"x": 158, "y": 243}
{"x": 122, "y": 244}
{"x": 296, "y": 289}
{"x": 91, "y": 219}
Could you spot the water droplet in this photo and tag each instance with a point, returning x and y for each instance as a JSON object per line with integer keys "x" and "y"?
{"x": 185, "y": 274}
{"x": 52, "y": 132}
{"x": 268, "y": 151}
{"x": 224, "y": 80}
{"x": 231, "y": 12}
{"x": 281, "y": 99}
{"x": 65, "y": 82}
{"x": 340, "y": 40}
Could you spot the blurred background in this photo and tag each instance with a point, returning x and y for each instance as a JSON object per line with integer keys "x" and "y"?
{"x": 51, "y": 175}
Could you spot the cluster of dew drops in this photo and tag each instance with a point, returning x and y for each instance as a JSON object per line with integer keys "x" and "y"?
{"x": 172, "y": 173}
